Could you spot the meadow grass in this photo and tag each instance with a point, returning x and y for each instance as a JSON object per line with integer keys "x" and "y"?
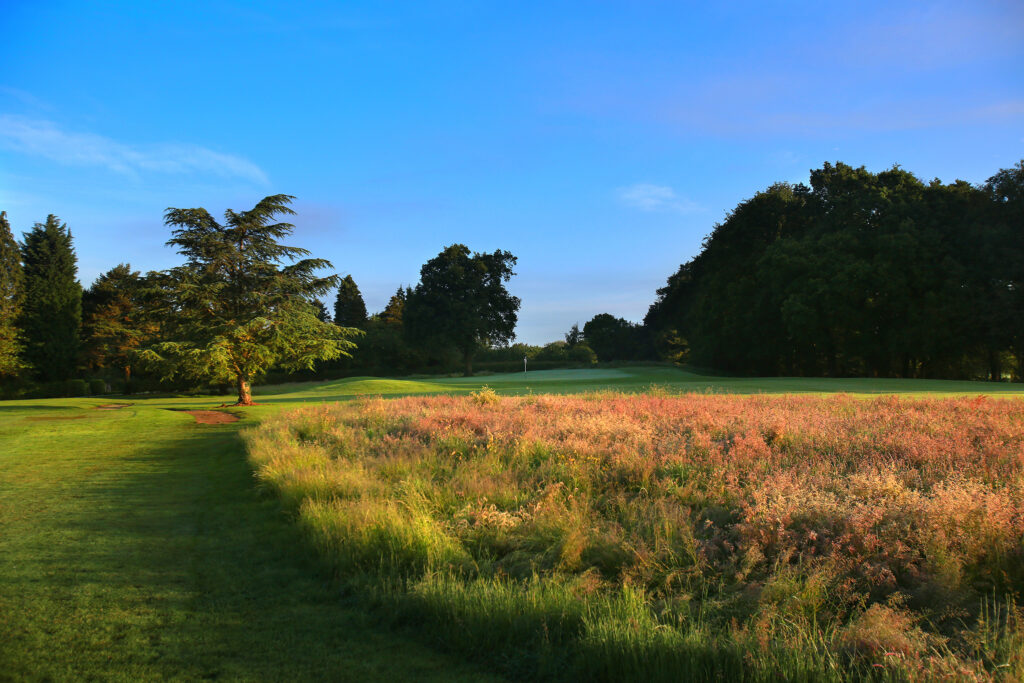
{"x": 136, "y": 545}
{"x": 676, "y": 536}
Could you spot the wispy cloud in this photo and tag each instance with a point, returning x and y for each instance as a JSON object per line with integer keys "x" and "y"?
{"x": 660, "y": 198}
{"x": 45, "y": 139}
{"x": 24, "y": 98}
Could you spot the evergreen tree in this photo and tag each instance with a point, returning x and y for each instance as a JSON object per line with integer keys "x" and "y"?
{"x": 234, "y": 309}
{"x": 349, "y": 307}
{"x": 11, "y": 294}
{"x": 322, "y": 314}
{"x": 392, "y": 313}
{"x": 51, "y": 315}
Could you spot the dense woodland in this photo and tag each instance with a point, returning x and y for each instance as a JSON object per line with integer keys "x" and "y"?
{"x": 858, "y": 274}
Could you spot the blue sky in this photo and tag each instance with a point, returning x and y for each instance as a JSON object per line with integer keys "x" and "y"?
{"x": 597, "y": 141}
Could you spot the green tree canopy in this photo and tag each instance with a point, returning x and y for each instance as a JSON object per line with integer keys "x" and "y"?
{"x": 614, "y": 338}
{"x": 11, "y": 294}
{"x": 51, "y": 315}
{"x": 461, "y": 302}
{"x": 392, "y": 313}
{"x": 234, "y": 309}
{"x": 860, "y": 273}
{"x": 574, "y": 336}
{"x": 322, "y": 314}
{"x": 114, "y": 320}
{"x": 349, "y": 307}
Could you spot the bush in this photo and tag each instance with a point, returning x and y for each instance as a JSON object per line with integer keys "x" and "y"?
{"x": 582, "y": 353}
{"x": 97, "y": 387}
{"x": 77, "y": 387}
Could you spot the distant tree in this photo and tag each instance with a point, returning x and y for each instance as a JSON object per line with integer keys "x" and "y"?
{"x": 349, "y": 307}
{"x": 461, "y": 302}
{"x": 1005, "y": 260}
{"x": 233, "y": 310}
{"x": 51, "y": 315}
{"x": 574, "y": 336}
{"x": 582, "y": 353}
{"x": 322, "y": 314}
{"x": 613, "y": 338}
{"x": 392, "y": 313}
{"x": 114, "y": 321}
{"x": 11, "y": 295}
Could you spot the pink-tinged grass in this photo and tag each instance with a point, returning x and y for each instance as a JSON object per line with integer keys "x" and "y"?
{"x": 663, "y": 536}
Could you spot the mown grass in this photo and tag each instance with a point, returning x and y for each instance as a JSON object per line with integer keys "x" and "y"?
{"x": 135, "y": 545}
{"x": 665, "y": 537}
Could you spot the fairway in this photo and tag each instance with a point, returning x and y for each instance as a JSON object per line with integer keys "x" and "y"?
{"x": 134, "y": 546}
{"x": 134, "y": 543}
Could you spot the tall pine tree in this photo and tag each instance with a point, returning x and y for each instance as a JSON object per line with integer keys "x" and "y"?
{"x": 11, "y": 294}
{"x": 52, "y": 312}
{"x": 349, "y": 307}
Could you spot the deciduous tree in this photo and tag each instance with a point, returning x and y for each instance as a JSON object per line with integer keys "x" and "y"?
{"x": 114, "y": 321}
{"x": 461, "y": 302}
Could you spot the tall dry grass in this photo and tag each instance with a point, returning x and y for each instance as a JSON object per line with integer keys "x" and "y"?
{"x": 663, "y": 536}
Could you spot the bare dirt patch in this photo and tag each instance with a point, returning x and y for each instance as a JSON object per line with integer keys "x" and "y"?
{"x": 113, "y": 406}
{"x": 212, "y": 417}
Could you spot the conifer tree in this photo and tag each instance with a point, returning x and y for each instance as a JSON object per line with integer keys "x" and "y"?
{"x": 349, "y": 307}
{"x": 51, "y": 315}
{"x": 11, "y": 294}
{"x": 322, "y": 314}
{"x": 392, "y": 313}
{"x": 237, "y": 306}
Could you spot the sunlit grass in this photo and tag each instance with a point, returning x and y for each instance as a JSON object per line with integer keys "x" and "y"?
{"x": 134, "y": 544}
{"x": 676, "y": 535}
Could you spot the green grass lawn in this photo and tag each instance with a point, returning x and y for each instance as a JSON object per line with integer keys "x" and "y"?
{"x": 135, "y": 545}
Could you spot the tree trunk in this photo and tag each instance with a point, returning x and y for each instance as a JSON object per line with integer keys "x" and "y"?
{"x": 244, "y": 392}
{"x": 127, "y": 379}
{"x": 995, "y": 372}
{"x": 468, "y": 357}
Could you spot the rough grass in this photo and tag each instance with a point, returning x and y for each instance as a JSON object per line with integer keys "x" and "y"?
{"x": 675, "y": 537}
{"x": 135, "y": 545}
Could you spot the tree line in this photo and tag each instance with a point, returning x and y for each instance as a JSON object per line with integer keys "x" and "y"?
{"x": 241, "y": 305}
{"x": 858, "y": 274}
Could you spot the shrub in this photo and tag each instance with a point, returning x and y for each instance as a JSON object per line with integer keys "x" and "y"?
{"x": 77, "y": 387}
{"x": 97, "y": 387}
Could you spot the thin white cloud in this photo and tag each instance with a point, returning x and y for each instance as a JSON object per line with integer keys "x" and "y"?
{"x": 44, "y": 139}
{"x": 656, "y": 198}
{"x": 24, "y": 97}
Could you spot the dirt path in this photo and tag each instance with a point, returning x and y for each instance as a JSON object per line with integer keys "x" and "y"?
{"x": 212, "y": 417}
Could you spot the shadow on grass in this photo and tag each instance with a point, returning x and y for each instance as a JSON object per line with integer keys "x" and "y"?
{"x": 175, "y": 566}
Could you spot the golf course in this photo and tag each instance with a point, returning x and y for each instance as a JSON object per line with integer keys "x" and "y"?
{"x": 136, "y": 543}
